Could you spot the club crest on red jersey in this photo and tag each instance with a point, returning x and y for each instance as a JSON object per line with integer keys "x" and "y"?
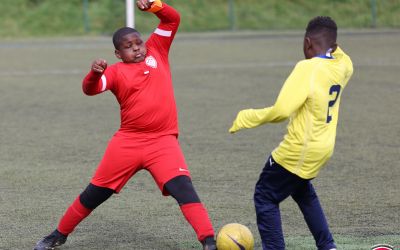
{"x": 151, "y": 62}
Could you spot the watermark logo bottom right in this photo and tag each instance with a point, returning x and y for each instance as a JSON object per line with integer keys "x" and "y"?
{"x": 382, "y": 247}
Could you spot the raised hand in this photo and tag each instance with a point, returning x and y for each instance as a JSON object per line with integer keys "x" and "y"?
{"x": 99, "y": 65}
{"x": 144, "y": 4}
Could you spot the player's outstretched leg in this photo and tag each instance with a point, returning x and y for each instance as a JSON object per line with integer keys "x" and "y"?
{"x": 181, "y": 188}
{"x": 83, "y": 205}
{"x": 51, "y": 241}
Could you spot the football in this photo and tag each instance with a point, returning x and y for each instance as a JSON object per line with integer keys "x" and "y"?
{"x": 235, "y": 236}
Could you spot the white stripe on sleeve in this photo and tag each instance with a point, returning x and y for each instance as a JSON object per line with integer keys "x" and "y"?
{"x": 161, "y": 32}
{"x": 104, "y": 82}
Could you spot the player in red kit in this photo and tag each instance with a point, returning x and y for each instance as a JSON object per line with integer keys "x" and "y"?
{"x": 147, "y": 138}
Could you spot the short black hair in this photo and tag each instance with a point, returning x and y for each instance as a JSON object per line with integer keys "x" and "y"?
{"x": 322, "y": 24}
{"x": 117, "y": 37}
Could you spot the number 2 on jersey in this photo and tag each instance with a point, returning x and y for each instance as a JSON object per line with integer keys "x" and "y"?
{"x": 332, "y": 90}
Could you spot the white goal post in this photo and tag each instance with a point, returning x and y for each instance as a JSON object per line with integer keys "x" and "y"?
{"x": 130, "y": 13}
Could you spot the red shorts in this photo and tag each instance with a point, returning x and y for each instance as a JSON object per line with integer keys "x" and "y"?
{"x": 125, "y": 155}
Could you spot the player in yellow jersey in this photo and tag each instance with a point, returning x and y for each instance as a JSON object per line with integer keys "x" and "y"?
{"x": 310, "y": 99}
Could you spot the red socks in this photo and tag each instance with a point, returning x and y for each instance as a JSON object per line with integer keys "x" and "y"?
{"x": 72, "y": 217}
{"x": 197, "y": 216}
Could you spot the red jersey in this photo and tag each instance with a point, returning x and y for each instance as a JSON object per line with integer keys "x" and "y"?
{"x": 144, "y": 90}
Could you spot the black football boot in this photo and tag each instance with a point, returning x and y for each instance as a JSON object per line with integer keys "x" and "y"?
{"x": 209, "y": 244}
{"x": 51, "y": 241}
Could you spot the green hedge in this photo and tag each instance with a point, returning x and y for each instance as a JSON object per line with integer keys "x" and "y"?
{"x": 21, "y": 18}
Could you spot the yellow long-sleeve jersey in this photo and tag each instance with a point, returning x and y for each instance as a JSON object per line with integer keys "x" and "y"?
{"x": 310, "y": 97}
